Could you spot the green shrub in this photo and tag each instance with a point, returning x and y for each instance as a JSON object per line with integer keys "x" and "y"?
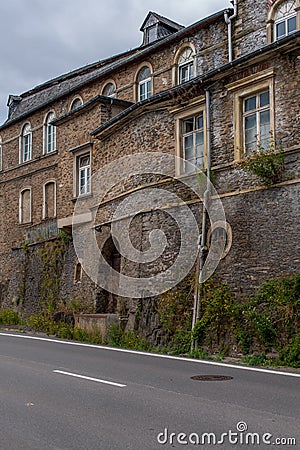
{"x": 272, "y": 315}
{"x": 255, "y": 359}
{"x": 175, "y": 312}
{"x": 290, "y": 355}
{"x": 217, "y": 316}
{"x": 9, "y": 317}
{"x": 116, "y": 337}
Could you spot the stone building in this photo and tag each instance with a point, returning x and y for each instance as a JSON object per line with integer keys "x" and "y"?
{"x": 210, "y": 93}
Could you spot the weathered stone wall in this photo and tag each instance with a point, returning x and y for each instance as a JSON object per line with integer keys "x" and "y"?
{"x": 264, "y": 221}
{"x": 250, "y": 26}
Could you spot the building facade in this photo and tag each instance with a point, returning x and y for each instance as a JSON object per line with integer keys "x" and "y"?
{"x": 211, "y": 93}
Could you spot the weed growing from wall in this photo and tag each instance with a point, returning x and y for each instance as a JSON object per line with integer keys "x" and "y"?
{"x": 267, "y": 164}
{"x": 175, "y": 312}
{"x": 52, "y": 254}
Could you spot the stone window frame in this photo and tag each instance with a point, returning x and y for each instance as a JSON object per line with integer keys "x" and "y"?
{"x": 75, "y": 99}
{"x": 48, "y": 118}
{"x": 271, "y": 34}
{"x": 26, "y": 133}
{"x": 138, "y": 83}
{"x": 107, "y": 83}
{"x": 21, "y": 200}
{"x": 180, "y": 115}
{"x": 177, "y": 66}
{"x": 78, "y": 153}
{"x": 242, "y": 89}
{"x": 52, "y": 181}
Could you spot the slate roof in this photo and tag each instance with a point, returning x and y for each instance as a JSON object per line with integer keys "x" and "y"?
{"x": 62, "y": 85}
{"x": 163, "y": 20}
{"x": 56, "y": 88}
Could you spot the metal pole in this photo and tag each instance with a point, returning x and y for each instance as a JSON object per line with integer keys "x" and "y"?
{"x": 202, "y": 245}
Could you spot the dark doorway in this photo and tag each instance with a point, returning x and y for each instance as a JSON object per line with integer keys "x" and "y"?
{"x": 113, "y": 258}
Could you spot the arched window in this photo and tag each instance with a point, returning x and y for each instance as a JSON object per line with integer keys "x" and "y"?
{"x": 25, "y": 144}
{"x": 282, "y": 19}
{"x": 84, "y": 174}
{"x": 49, "y": 134}
{"x": 76, "y": 103}
{"x": 25, "y": 206}
{"x": 49, "y": 210}
{"x": 144, "y": 83}
{"x": 285, "y": 19}
{"x": 185, "y": 64}
{"x": 109, "y": 90}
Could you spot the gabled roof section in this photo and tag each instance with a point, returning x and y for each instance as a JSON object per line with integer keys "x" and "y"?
{"x": 164, "y": 20}
{"x": 160, "y": 27}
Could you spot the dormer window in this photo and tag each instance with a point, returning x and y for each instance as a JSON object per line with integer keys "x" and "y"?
{"x": 156, "y": 27}
{"x": 285, "y": 19}
{"x": 151, "y": 34}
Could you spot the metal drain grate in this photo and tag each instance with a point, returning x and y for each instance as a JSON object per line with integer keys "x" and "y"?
{"x": 211, "y": 378}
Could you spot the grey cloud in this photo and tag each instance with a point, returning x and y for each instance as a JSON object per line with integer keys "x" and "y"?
{"x": 41, "y": 40}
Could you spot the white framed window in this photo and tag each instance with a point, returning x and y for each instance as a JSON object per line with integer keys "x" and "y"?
{"x": 83, "y": 174}
{"x": 26, "y": 143}
{"x": 76, "y": 103}
{"x": 49, "y": 134}
{"x": 193, "y": 142}
{"x": 151, "y": 34}
{"x": 285, "y": 19}
{"x": 253, "y": 113}
{"x": 49, "y": 200}
{"x": 256, "y": 122}
{"x": 190, "y": 143}
{"x": 144, "y": 83}
{"x": 109, "y": 90}
{"x": 185, "y": 65}
{"x": 25, "y": 206}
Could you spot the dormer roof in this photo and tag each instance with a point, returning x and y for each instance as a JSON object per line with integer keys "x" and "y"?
{"x": 156, "y": 26}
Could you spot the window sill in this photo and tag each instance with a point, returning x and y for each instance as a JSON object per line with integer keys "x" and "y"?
{"x": 25, "y": 224}
{"x": 81, "y": 197}
{"x": 45, "y": 155}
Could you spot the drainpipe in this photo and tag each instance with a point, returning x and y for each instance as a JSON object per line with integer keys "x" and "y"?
{"x": 228, "y": 20}
{"x": 202, "y": 244}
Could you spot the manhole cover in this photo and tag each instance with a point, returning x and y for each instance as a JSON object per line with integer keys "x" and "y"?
{"x": 211, "y": 378}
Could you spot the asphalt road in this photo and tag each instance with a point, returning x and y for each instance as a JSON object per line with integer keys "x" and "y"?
{"x": 45, "y": 405}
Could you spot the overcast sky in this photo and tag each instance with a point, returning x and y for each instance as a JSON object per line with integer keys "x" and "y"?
{"x": 42, "y": 39}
